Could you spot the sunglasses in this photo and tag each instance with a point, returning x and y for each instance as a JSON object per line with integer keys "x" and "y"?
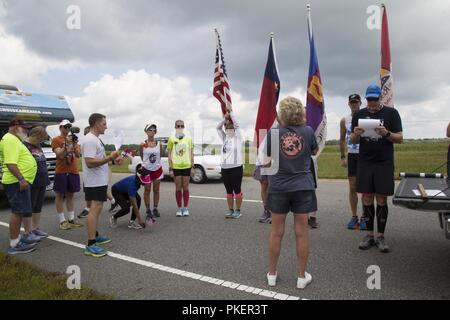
{"x": 179, "y": 126}
{"x": 373, "y": 99}
{"x": 67, "y": 127}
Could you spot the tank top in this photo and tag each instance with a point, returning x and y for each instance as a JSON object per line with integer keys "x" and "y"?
{"x": 151, "y": 156}
{"x": 351, "y": 147}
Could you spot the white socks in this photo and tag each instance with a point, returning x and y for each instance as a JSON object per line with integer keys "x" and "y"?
{"x": 71, "y": 215}
{"x": 62, "y": 218}
{"x": 13, "y": 243}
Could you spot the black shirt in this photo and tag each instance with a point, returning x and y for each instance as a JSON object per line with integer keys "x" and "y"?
{"x": 381, "y": 149}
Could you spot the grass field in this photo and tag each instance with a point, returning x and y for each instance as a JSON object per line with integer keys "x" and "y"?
{"x": 411, "y": 156}
{"x": 22, "y": 281}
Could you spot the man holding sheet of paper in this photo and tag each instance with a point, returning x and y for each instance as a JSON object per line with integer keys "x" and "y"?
{"x": 376, "y": 128}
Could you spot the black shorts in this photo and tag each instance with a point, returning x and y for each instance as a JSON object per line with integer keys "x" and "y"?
{"x": 96, "y": 193}
{"x": 232, "y": 179}
{"x": 182, "y": 172}
{"x": 352, "y": 164}
{"x": 375, "y": 178}
{"x": 37, "y": 199}
{"x": 300, "y": 202}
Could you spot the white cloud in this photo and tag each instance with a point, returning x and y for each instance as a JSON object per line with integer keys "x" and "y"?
{"x": 21, "y": 66}
{"x": 138, "y": 97}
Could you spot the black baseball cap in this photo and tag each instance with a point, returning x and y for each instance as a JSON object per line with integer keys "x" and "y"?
{"x": 20, "y": 123}
{"x": 354, "y": 97}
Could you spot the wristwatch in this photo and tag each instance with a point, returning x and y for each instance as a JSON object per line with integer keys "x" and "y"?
{"x": 342, "y": 157}
{"x": 388, "y": 134}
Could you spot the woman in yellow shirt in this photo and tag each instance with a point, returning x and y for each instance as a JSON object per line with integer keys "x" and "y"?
{"x": 181, "y": 166}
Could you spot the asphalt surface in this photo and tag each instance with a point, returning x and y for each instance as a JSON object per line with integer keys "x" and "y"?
{"x": 236, "y": 250}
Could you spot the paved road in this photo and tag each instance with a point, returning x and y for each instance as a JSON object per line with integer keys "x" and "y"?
{"x": 235, "y": 251}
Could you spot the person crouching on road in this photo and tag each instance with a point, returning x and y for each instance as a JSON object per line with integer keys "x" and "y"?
{"x": 292, "y": 187}
{"x": 231, "y": 163}
{"x": 126, "y": 194}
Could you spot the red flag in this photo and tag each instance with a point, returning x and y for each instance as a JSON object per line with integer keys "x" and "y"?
{"x": 221, "y": 89}
{"x": 267, "y": 111}
{"x": 386, "y": 79}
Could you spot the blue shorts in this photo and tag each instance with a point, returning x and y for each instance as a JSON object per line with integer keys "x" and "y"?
{"x": 66, "y": 183}
{"x": 296, "y": 202}
{"x": 20, "y": 201}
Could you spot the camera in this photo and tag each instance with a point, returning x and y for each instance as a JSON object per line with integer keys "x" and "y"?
{"x": 73, "y": 132}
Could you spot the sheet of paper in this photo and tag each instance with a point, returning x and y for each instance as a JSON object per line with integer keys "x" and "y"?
{"x": 118, "y": 139}
{"x": 430, "y": 193}
{"x": 369, "y": 126}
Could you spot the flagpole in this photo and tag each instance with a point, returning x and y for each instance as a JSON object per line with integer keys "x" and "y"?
{"x": 308, "y": 8}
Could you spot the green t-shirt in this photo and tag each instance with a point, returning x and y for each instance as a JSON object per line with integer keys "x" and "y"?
{"x": 13, "y": 151}
{"x": 181, "y": 152}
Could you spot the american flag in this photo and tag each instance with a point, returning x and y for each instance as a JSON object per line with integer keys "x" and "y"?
{"x": 221, "y": 88}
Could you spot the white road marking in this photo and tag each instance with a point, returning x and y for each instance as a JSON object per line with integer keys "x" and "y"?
{"x": 182, "y": 273}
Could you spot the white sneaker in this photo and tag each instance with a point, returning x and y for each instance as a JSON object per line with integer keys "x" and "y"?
{"x": 303, "y": 282}
{"x": 179, "y": 212}
{"x": 186, "y": 212}
{"x": 134, "y": 225}
{"x": 272, "y": 279}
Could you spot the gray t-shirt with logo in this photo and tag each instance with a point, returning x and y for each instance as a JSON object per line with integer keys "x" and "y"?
{"x": 296, "y": 144}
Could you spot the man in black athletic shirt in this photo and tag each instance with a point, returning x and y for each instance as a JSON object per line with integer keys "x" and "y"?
{"x": 375, "y": 173}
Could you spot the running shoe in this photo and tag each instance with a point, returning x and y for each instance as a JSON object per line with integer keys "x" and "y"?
{"x": 303, "y": 282}
{"x": 229, "y": 214}
{"x": 367, "y": 242}
{"x": 40, "y": 233}
{"x": 236, "y": 214}
{"x": 75, "y": 224}
{"x": 353, "y": 224}
{"x": 272, "y": 279}
{"x": 95, "y": 251}
{"x": 134, "y": 225}
{"x": 312, "y": 222}
{"x": 22, "y": 248}
{"x": 381, "y": 244}
{"x": 102, "y": 240}
{"x": 179, "y": 212}
{"x": 30, "y": 238}
{"x": 149, "y": 220}
{"x": 362, "y": 224}
{"x": 65, "y": 225}
{"x": 156, "y": 213}
{"x": 265, "y": 217}
{"x": 83, "y": 214}
{"x": 185, "y": 212}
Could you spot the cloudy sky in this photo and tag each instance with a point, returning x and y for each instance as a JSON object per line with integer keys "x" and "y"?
{"x": 140, "y": 61}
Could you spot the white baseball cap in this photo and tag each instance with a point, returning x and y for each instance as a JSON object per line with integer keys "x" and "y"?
{"x": 65, "y": 122}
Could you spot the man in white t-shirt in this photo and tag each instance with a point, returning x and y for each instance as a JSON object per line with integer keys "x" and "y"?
{"x": 95, "y": 178}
